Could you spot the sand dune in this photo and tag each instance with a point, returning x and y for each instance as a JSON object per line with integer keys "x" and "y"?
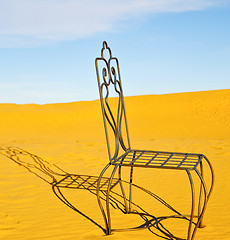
{"x": 71, "y": 136}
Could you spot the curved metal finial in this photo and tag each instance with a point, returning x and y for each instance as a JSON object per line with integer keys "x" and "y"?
{"x": 105, "y": 47}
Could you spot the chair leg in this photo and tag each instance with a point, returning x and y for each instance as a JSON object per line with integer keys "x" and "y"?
{"x": 122, "y": 190}
{"x": 130, "y": 184}
{"x": 130, "y": 189}
{"x": 109, "y": 230}
{"x": 206, "y": 196}
{"x": 201, "y": 225}
{"x": 212, "y": 174}
{"x": 204, "y": 205}
{"x": 200, "y": 197}
{"x": 106, "y": 230}
{"x": 190, "y": 234}
{"x": 193, "y": 205}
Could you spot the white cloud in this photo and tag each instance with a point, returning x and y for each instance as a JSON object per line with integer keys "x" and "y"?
{"x": 26, "y": 22}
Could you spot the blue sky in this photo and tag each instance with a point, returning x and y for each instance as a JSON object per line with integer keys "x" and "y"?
{"x": 47, "y": 48}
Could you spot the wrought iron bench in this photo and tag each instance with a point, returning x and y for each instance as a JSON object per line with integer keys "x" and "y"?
{"x": 122, "y": 155}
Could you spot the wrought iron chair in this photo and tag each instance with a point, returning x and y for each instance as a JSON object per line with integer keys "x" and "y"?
{"x": 122, "y": 155}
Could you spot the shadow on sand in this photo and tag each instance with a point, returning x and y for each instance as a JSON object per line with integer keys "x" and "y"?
{"x": 60, "y": 179}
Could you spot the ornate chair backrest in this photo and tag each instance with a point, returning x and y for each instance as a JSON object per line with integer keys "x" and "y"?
{"x": 112, "y": 103}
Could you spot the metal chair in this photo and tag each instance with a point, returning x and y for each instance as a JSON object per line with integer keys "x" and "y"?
{"x": 122, "y": 155}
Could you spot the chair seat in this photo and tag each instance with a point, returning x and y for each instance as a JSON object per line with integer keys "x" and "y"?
{"x": 156, "y": 159}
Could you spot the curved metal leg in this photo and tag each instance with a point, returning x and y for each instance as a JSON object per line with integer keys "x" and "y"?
{"x": 130, "y": 189}
{"x": 122, "y": 189}
{"x": 201, "y": 225}
{"x": 200, "y": 197}
{"x": 107, "y": 200}
{"x": 130, "y": 184}
{"x": 212, "y": 181}
{"x": 106, "y": 230}
{"x": 204, "y": 206}
{"x": 127, "y": 209}
{"x": 193, "y": 205}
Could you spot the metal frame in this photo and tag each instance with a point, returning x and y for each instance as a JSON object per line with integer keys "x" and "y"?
{"x": 108, "y": 76}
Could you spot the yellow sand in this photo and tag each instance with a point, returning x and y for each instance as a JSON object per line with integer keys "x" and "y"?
{"x": 71, "y": 135}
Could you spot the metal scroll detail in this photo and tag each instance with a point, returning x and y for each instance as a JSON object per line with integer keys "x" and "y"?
{"x": 114, "y": 116}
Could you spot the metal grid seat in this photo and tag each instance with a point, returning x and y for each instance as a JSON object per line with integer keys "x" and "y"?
{"x": 117, "y": 138}
{"x": 156, "y": 159}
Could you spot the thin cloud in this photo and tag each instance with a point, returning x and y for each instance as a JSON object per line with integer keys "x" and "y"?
{"x": 33, "y": 22}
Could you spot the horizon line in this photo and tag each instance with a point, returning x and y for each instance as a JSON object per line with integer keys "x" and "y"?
{"x": 154, "y": 94}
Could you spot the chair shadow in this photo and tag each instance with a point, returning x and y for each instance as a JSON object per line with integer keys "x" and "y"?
{"x": 60, "y": 179}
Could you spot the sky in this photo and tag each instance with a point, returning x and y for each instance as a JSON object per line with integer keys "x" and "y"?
{"x": 48, "y": 47}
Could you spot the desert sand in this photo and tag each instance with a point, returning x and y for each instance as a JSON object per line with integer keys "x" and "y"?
{"x": 71, "y": 136}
